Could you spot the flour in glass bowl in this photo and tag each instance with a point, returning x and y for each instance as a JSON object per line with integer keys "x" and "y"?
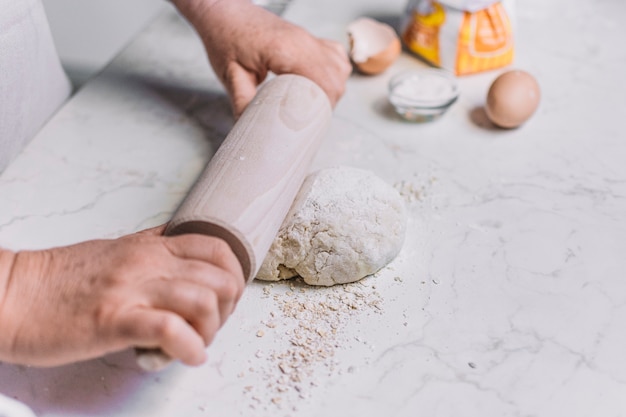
{"x": 425, "y": 88}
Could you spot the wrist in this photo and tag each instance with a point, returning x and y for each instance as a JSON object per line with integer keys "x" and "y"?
{"x": 20, "y": 281}
{"x": 197, "y": 11}
{"x": 7, "y": 261}
{"x": 20, "y": 275}
{"x": 7, "y": 264}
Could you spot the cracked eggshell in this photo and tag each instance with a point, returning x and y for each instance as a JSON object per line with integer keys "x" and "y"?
{"x": 374, "y": 46}
{"x": 512, "y": 99}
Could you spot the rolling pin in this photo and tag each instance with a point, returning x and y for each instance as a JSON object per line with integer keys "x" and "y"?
{"x": 247, "y": 188}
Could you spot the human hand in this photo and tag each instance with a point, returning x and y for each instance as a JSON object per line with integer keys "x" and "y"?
{"x": 78, "y": 302}
{"x": 244, "y": 42}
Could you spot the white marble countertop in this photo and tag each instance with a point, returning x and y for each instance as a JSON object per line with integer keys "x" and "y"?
{"x": 508, "y": 298}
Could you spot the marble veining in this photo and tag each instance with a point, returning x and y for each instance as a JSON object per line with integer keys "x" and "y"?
{"x": 508, "y": 298}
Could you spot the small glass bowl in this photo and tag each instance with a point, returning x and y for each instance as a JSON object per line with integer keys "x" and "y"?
{"x": 422, "y": 95}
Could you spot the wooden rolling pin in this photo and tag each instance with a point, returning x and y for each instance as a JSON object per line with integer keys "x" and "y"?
{"x": 246, "y": 190}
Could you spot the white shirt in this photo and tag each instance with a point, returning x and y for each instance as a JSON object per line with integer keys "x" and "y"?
{"x": 32, "y": 86}
{"x": 32, "y": 82}
{"x": 12, "y": 408}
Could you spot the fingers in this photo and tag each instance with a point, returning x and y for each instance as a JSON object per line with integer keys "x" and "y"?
{"x": 227, "y": 287}
{"x": 337, "y": 71}
{"x": 211, "y": 250}
{"x": 241, "y": 86}
{"x": 156, "y": 328}
{"x": 341, "y": 57}
{"x": 323, "y": 61}
{"x": 183, "y": 308}
{"x": 181, "y": 318}
{"x": 198, "y": 305}
{"x": 183, "y": 289}
{"x": 209, "y": 282}
{"x": 211, "y": 263}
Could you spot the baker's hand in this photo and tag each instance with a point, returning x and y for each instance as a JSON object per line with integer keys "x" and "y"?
{"x": 82, "y": 301}
{"x": 245, "y": 41}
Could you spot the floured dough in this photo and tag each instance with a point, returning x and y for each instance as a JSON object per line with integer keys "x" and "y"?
{"x": 345, "y": 224}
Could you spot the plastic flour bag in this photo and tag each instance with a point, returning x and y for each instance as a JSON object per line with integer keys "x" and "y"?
{"x": 462, "y": 36}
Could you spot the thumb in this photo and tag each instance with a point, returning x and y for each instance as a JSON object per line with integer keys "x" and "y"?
{"x": 241, "y": 86}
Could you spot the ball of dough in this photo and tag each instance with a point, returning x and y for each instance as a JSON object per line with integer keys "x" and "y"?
{"x": 345, "y": 224}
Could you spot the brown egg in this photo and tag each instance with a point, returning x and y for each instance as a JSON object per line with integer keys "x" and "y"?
{"x": 512, "y": 99}
{"x": 374, "y": 46}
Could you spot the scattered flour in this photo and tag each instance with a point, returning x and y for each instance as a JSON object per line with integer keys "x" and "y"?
{"x": 310, "y": 325}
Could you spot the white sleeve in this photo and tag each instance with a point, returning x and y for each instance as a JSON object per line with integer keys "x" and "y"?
{"x": 32, "y": 82}
{"x": 12, "y": 408}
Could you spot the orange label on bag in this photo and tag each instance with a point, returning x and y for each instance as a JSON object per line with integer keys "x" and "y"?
{"x": 461, "y": 41}
{"x": 485, "y": 41}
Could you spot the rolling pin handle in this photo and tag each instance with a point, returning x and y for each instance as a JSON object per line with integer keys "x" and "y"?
{"x": 152, "y": 360}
